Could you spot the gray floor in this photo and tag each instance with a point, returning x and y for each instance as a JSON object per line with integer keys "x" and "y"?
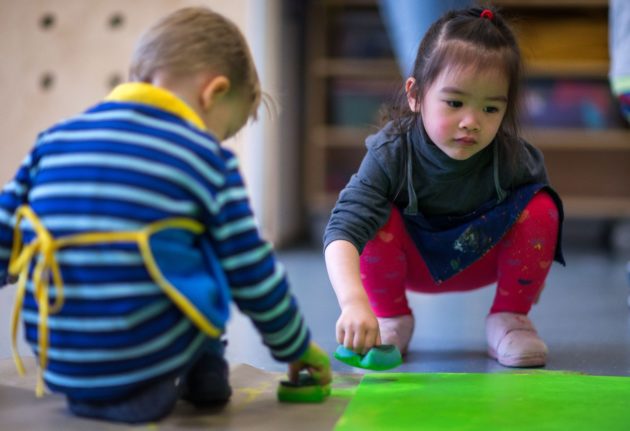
{"x": 583, "y": 316}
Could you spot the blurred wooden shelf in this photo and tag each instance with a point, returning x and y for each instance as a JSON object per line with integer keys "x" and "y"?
{"x": 365, "y": 68}
{"x": 596, "y": 207}
{"x": 551, "y": 3}
{"x": 324, "y": 201}
{"x": 325, "y": 136}
{"x": 563, "y": 139}
{"x": 573, "y": 69}
{"x": 353, "y": 3}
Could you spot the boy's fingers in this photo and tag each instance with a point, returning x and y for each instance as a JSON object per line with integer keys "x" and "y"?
{"x": 323, "y": 374}
{"x": 315, "y": 373}
{"x": 324, "y": 377}
{"x": 294, "y": 372}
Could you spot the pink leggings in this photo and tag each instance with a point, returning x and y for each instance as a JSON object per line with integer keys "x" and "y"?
{"x": 519, "y": 264}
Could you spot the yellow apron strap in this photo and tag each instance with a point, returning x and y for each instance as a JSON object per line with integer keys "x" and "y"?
{"x": 19, "y": 264}
{"x": 46, "y": 246}
{"x": 15, "y": 320}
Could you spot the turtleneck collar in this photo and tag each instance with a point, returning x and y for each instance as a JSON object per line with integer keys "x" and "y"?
{"x": 439, "y": 165}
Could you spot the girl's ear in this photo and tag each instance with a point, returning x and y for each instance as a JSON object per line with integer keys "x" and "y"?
{"x": 412, "y": 94}
{"x": 213, "y": 88}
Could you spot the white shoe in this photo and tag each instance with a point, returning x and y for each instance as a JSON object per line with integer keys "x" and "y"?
{"x": 397, "y": 330}
{"x": 513, "y": 341}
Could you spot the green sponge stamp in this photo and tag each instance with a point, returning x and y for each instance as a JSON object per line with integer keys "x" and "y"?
{"x": 306, "y": 390}
{"x": 378, "y": 358}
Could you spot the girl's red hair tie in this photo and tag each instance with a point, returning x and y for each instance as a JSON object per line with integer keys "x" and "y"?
{"x": 487, "y": 13}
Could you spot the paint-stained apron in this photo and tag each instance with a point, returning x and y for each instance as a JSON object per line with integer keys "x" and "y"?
{"x": 450, "y": 244}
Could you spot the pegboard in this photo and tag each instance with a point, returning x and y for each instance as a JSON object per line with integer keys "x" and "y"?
{"x": 62, "y": 56}
{"x": 59, "y": 57}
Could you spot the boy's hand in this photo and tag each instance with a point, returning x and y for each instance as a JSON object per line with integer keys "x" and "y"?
{"x": 357, "y": 328}
{"x": 316, "y": 361}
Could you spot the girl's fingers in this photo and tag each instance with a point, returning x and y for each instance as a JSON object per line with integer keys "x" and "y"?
{"x": 348, "y": 340}
{"x": 378, "y": 337}
{"x": 372, "y": 339}
{"x": 359, "y": 341}
{"x": 341, "y": 335}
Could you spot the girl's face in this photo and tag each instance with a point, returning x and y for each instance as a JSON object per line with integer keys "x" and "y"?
{"x": 463, "y": 109}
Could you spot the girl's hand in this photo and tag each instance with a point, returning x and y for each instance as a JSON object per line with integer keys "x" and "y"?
{"x": 316, "y": 361}
{"x": 357, "y": 328}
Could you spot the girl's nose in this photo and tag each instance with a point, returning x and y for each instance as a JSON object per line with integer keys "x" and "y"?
{"x": 469, "y": 122}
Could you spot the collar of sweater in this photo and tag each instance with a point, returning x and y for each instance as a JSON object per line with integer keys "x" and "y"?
{"x": 158, "y": 97}
{"x": 439, "y": 165}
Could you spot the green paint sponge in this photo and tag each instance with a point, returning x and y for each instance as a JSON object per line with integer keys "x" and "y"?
{"x": 378, "y": 358}
{"x": 306, "y": 390}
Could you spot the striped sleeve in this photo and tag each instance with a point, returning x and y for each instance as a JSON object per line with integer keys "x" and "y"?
{"x": 13, "y": 195}
{"x": 257, "y": 280}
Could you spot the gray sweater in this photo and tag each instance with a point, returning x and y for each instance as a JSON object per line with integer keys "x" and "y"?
{"x": 428, "y": 182}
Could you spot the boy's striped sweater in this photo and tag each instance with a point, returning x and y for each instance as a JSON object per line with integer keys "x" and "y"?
{"x": 138, "y": 157}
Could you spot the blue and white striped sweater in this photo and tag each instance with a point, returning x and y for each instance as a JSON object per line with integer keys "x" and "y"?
{"x": 120, "y": 166}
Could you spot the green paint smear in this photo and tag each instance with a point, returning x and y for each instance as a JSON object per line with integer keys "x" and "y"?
{"x": 468, "y": 402}
{"x": 343, "y": 392}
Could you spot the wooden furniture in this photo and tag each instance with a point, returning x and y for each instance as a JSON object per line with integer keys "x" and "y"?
{"x": 351, "y": 71}
{"x": 568, "y": 40}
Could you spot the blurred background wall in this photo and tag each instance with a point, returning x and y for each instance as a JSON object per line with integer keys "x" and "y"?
{"x": 327, "y": 65}
{"x": 61, "y": 56}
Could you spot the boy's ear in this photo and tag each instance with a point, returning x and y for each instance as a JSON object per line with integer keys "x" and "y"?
{"x": 412, "y": 94}
{"x": 213, "y": 88}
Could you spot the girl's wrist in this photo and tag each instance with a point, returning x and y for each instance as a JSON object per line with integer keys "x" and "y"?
{"x": 358, "y": 301}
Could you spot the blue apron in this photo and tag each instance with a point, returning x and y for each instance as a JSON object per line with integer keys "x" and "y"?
{"x": 195, "y": 272}
{"x": 450, "y": 244}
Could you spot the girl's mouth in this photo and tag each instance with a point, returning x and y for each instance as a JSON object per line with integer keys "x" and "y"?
{"x": 466, "y": 141}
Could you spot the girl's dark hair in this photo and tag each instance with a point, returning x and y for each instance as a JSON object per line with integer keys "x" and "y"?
{"x": 461, "y": 39}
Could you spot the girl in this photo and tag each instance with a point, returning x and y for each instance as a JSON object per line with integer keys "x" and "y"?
{"x": 141, "y": 220}
{"x": 448, "y": 198}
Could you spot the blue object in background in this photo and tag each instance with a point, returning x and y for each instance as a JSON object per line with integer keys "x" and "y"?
{"x": 406, "y": 22}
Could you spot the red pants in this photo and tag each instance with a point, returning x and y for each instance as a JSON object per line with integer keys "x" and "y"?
{"x": 519, "y": 264}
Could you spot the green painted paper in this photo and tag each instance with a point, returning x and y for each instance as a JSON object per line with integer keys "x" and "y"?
{"x": 538, "y": 401}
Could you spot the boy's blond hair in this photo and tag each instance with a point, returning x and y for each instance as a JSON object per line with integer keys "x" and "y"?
{"x": 192, "y": 40}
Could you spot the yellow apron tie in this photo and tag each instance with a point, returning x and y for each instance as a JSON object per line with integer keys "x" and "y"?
{"x": 46, "y": 246}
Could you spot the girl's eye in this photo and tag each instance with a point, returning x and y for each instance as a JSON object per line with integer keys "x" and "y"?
{"x": 454, "y": 103}
{"x": 491, "y": 109}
